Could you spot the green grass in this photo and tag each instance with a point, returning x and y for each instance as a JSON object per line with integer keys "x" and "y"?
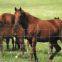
{"x": 43, "y": 9}
{"x": 42, "y": 53}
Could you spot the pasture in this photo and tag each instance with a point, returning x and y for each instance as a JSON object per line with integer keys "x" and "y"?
{"x": 43, "y": 9}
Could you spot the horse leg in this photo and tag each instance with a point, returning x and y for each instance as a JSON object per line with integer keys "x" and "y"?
{"x": 50, "y": 51}
{"x": 24, "y": 49}
{"x": 51, "y": 48}
{"x": 57, "y": 47}
{"x": 21, "y": 47}
{"x": 21, "y": 43}
{"x": 1, "y": 45}
{"x": 7, "y": 45}
{"x": 17, "y": 42}
{"x": 29, "y": 41}
{"x": 1, "y": 50}
{"x": 32, "y": 43}
{"x": 7, "y": 42}
{"x": 12, "y": 43}
{"x": 34, "y": 49}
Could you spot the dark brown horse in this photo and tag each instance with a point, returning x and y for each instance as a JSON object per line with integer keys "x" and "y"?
{"x": 37, "y": 30}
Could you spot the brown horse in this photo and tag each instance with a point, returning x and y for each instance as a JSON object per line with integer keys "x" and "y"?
{"x": 7, "y": 31}
{"x": 37, "y": 30}
{"x": 6, "y": 20}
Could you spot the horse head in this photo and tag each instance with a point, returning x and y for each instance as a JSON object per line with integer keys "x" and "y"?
{"x": 21, "y": 18}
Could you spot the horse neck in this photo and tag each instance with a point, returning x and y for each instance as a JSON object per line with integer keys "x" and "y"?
{"x": 31, "y": 19}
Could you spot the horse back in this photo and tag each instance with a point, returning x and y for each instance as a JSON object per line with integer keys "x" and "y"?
{"x": 56, "y": 22}
{"x": 8, "y": 18}
{"x": 44, "y": 27}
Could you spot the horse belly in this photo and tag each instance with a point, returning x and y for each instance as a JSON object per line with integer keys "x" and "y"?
{"x": 39, "y": 39}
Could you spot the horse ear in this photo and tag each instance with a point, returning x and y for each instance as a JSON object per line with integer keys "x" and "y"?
{"x": 58, "y": 17}
{"x": 15, "y": 8}
{"x": 20, "y": 9}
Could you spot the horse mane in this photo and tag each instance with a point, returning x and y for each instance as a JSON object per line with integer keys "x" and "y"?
{"x": 24, "y": 20}
{"x": 32, "y": 17}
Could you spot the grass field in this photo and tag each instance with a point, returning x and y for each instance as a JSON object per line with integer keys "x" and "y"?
{"x": 43, "y": 9}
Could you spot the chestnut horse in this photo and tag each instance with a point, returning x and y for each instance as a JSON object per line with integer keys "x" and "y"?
{"x": 7, "y": 29}
{"x": 37, "y": 30}
{"x": 7, "y": 20}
